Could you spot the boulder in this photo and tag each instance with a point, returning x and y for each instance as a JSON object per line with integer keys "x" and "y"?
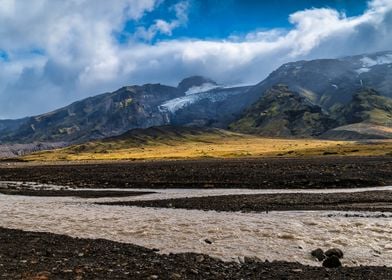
{"x": 332, "y": 262}
{"x": 334, "y": 252}
{"x": 318, "y": 254}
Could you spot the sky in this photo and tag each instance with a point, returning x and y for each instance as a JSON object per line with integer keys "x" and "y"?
{"x": 54, "y": 52}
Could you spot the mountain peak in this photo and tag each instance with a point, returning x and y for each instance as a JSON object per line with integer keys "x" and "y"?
{"x": 194, "y": 81}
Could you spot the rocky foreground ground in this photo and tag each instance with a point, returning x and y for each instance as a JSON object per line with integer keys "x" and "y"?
{"x": 41, "y": 256}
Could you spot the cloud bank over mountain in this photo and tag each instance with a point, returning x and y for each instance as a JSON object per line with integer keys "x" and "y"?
{"x": 53, "y": 52}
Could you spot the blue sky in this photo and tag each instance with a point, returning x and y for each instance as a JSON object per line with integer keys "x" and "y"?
{"x": 220, "y": 19}
{"x": 53, "y": 52}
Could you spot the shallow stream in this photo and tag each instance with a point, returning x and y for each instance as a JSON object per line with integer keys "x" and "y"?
{"x": 288, "y": 236}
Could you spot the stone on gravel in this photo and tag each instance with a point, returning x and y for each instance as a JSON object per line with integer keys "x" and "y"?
{"x": 334, "y": 252}
{"x": 318, "y": 254}
{"x": 251, "y": 260}
{"x": 332, "y": 262}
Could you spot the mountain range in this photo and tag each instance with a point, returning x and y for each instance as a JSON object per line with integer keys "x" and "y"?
{"x": 327, "y": 98}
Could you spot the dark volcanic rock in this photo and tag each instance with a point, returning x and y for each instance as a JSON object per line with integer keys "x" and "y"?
{"x": 334, "y": 252}
{"x": 318, "y": 254}
{"x": 332, "y": 262}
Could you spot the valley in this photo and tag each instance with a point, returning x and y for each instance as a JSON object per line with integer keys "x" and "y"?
{"x": 205, "y": 180}
{"x": 196, "y": 140}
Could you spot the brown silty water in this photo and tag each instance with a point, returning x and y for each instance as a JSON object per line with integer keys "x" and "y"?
{"x": 288, "y": 236}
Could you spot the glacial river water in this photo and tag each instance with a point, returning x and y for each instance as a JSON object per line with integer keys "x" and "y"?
{"x": 288, "y": 236}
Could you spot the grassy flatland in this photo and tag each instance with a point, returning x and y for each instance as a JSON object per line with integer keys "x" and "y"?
{"x": 193, "y": 143}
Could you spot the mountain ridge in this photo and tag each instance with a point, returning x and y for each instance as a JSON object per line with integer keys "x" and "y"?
{"x": 327, "y": 83}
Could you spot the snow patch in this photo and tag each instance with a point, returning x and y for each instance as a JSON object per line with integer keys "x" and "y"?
{"x": 220, "y": 94}
{"x": 368, "y": 62}
{"x": 379, "y": 60}
{"x": 176, "y": 104}
{"x": 362, "y": 70}
{"x": 386, "y": 59}
{"x": 203, "y": 88}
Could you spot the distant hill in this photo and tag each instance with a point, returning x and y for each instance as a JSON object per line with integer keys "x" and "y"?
{"x": 367, "y": 106}
{"x": 153, "y": 141}
{"x": 164, "y": 135}
{"x": 284, "y": 113}
{"x": 367, "y": 116}
{"x": 359, "y": 131}
{"x": 281, "y": 112}
{"x": 17, "y": 150}
{"x": 169, "y": 142}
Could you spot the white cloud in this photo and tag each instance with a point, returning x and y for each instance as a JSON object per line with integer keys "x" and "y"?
{"x": 77, "y": 54}
{"x": 163, "y": 26}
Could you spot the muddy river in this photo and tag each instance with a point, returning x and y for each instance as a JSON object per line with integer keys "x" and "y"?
{"x": 288, "y": 236}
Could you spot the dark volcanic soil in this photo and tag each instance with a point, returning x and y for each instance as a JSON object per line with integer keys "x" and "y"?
{"x": 64, "y": 193}
{"x": 362, "y": 201}
{"x": 321, "y": 172}
{"x": 41, "y": 256}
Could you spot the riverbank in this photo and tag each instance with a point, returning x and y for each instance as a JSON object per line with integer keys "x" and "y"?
{"x": 29, "y": 255}
{"x": 359, "y": 201}
{"x": 261, "y": 173}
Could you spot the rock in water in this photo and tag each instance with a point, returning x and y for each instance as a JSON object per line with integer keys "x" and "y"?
{"x": 318, "y": 254}
{"x": 334, "y": 252}
{"x": 332, "y": 262}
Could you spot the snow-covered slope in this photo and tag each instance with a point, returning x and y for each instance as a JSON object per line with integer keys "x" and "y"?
{"x": 196, "y": 94}
{"x": 202, "y": 88}
{"x": 205, "y": 105}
